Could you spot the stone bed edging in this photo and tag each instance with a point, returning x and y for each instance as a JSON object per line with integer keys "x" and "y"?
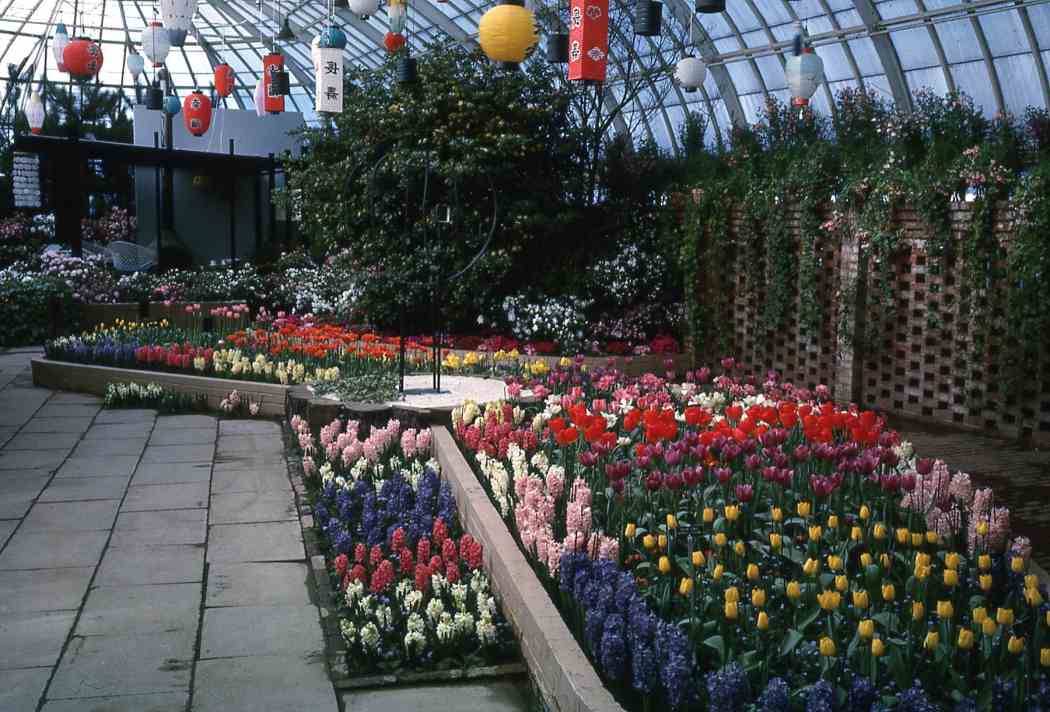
{"x": 566, "y": 678}
{"x": 89, "y": 378}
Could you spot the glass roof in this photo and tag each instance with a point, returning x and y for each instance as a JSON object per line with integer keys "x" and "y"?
{"x": 997, "y": 51}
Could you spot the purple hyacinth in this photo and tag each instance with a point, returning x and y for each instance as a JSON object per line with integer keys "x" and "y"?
{"x": 820, "y": 697}
{"x": 776, "y": 697}
{"x": 914, "y": 699}
{"x": 727, "y": 689}
{"x": 613, "y": 653}
{"x": 862, "y": 695}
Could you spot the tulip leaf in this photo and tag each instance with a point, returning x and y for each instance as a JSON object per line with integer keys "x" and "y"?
{"x": 791, "y": 640}
{"x": 809, "y": 618}
{"x": 716, "y": 643}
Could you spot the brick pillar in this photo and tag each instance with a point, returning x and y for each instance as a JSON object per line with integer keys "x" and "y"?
{"x": 847, "y": 386}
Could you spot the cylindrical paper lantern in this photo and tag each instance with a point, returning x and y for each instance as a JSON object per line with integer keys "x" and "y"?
{"x": 224, "y": 79}
{"x": 588, "y": 40}
{"x": 196, "y": 113}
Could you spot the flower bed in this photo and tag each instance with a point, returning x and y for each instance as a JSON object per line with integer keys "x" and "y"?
{"x": 413, "y": 594}
{"x": 724, "y": 548}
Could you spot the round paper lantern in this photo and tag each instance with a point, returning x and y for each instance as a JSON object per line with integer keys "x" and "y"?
{"x": 35, "y": 113}
{"x": 171, "y": 105}
{"x": 690, "y": 73}
{"x": 333, "y": 37}
{"x": 397, "y": 13}
{"x": 804, "y": 73}
{"x": 135, "y": 63}
{"x": 507, "y": 32}
{"x": 260, "y": 98}
{"x": 155, "y": 43}
{"x": 178, "y": 19}
{"x": 83, "y": 58}
{"x": 58, "y": 45}
{"x": 393, "y": 41}
{"x": 223, "y": 79}
{"x": 364, "y": 8}
{"x": 196, "y": 113}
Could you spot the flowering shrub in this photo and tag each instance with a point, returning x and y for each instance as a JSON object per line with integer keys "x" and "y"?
{"x": 561, "y": 320}
{"x": 413, "y": 591}
{"x": 118, "y": 224}
{"x": 627, "y": 277}
{"x": 768, "y": 548}
{"x": 26, "y": 303}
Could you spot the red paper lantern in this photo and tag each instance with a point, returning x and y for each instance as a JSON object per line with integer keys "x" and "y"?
{"x": 588, "y": 39}
{"x": 83, "y": 58}
{"x": 196, "y": 113}
{"x": 223, "y": 80}
{"x": 394, "y": 41}
{"x": 273, "y": 99}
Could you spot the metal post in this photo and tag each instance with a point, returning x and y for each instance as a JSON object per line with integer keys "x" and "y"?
{"x": 271, "y": 183}
{"x": 156, "y": 193}
{"x": 233, "y": 207}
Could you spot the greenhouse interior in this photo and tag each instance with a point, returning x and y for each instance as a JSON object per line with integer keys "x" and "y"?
{"x": 524, "y": 356}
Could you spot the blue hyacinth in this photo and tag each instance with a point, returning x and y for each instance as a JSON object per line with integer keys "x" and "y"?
{"x": 776, "y": 697}
{"x": 820, "y": 697}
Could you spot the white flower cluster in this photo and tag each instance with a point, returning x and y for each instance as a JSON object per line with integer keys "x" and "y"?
{"x": 559, "y": 319}
{"x": 498, "y": 478}
{"x": 629, "y": 275}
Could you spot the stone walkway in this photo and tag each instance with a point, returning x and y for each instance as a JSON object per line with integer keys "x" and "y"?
{"x": 148, "y": 564}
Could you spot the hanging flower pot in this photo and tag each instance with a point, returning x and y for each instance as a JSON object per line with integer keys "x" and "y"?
{"x": 647, "y": 17}
{"x": 558, "y": 48}
{"x": 196, "y": 113}
{"x": 83, "y": 59}
{"x": 710, "y": 7}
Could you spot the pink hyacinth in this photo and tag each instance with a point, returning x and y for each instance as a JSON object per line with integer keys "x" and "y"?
{"x": 555, "y": 483}
{"x": 581, "y": 493}
{"x": 370, "y": 451}
{"x": 960, "y": 489}
{"x": 408, "y": 442}
{"x": 423, "y": 441}
{"x": 514, "y": 390}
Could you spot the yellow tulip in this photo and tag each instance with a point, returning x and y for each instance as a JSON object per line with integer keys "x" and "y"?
{"x": 763, "y": 621}
{"x": 888, "y": 592}
{"x": 932, "y": 640}
{"x": 758, "y": 597}
{"x": 982, "y": 528}
{"x": 885, "y": 562}
{"x": 922, "y": 559}
{"x": 923, "y": 572}
{"x": 829, "y": 600}
{"x": 672, "y": 523}
{"x": 731, "y": 611}
{"x": 717, "y": 573}
{"x": 686, "y": 586}
{"x": 965, "y": 641}
{"x": 815, "y": 533}
{"x": 1031, "y": 581}
{"x": 732, "y": 512}
{"x": 918, "y": 611}
{"x": 833, "y": 521}
{"x": 951, "y": 578}
{"x": 903, "y": 535}
{"x": 945, "y": 609}
{"x": 803, "y": 509}
{"x": 630, "y": 530}
{"x": 1015, "y": 645}
{"x": 986, "y": 582}
{"x": 720, "y": 539}
{"x": 739, "y": 548}
{"x": 916, "y": 540}
{"x": 827, "y": 647}
{"x": 665, "y": 565}
{"x": 841, "y": 583}
{"x": 1044, "y": 657}
{"x": 1033, "y": 597}
{"x": 1017, "y": 564}
{"x": 1004, "y": 616}
{"x": 834, "y": 562}
{"x": 794, "y": 591}
{"x": 775, "y": 541}
{"x": 861, "y": 600}
{"x": 866, "y": 628}
{"x": 931, "y": 537}
{"x": 865, "y": 513}
{"x": 1048, "y": 618}
{"x": 649, "y": 541}
{"x": 811, "y": 567}
{"x": 866, "y": 560}
{"x": 752, "y": 572}
{"x": 988, "y": 626}
{"x": 879, "y": 532}
{"x": 698, "y": 558}
{"x": 709, "y": 515}
{"x": 778, "y": 514}
{"x": 980, "y": 614}
{"x": 878, "y": 648}
{"x": 662, "y": 539}
{"x": 855, "y": 534}
{"x": 952, "y": 561}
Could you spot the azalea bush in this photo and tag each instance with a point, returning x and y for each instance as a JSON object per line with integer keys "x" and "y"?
{"x": 725, "y": 545}
{"x": 412, "y": 591}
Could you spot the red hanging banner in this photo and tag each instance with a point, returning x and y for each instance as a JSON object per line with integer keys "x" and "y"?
{"x": 588, "y": 39}
{"x": 273, "y": 100}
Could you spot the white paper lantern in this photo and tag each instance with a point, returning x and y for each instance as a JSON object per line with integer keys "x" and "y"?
{"x": 58, "y": 45}
{"x": 804, "y": 73}
{"x": 135, "y": 63}
{"x": 178, "y": 18}
{"x": 364, "y": 8}
{"x": 260, "y": 98}
{"x": 35, "y": 113}
{"x": 155, "y": 43}
{"x": 690, "y": 73}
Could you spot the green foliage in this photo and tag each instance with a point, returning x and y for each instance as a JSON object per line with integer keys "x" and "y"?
{"x": 30, "y": 304}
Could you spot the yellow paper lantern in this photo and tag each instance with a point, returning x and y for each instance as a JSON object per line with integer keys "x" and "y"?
{"x": 507, "y": 32}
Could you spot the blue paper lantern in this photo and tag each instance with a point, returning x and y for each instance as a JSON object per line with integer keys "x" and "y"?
{"x": 333, "y": 37}
{"x": 171, "y": 105}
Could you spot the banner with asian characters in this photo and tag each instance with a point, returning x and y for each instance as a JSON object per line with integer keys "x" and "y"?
{"x": 329, "y": 81}
{"x": 273, "y": 100}
{"x": 588, "y": 39}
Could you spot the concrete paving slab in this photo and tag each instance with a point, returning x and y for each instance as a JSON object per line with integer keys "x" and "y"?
{"x": 138, "y": 430}
{"x": 122, "y": 665}
{"x": 141, "y": 610}
{"x": 262, "y": 584}
{"x": 31, "y": 459}
{"x": 111, "y": 466}
{"x": 43, "y": 589}
{"x": 110, "y": 447}
{"x": 125, "y": 415}
{"x": 263, "y": 684}
{"x": 6, "y": 434}
{"x": 33, "y": 638}
{"x": 43, "y": 441}
{"x": 246, "y": 461}
{"x": 22, "y": 689}
{"x": 178, "y": 436}
{"x": 78, "y": 424}
{"x": 86, "y": 488}
{"x": 72, "y": 516}
{"x": 489, "y": 696}
{"x": 75, "y": 398}
{"x": 17, "y": 492}
{"x": 261, "y": 630}
{"x": 188, "y": 495}
{"x": 7, "y": 527}
{"x": 186, "y": 421}
{"x": 272, "y": 541}
{"x": 250, "y": 427}
{"x": 265, "y": 478}
{"x": 67, "y": 410}
{"x": 155, "y": 702}
{"x": 162, "y": 528}
{"x": 178, "y": 453}
{"x": 167, "y": 473}
{"x": 256, "y": 445}
{"x": 151, "y": 565}
{"x": 52, "y": 550}
{"x": 246, "y": 507}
